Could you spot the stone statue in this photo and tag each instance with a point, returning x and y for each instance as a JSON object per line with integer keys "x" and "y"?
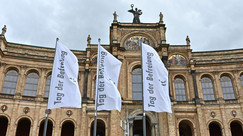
{"x": 161, "y": 17}
{"x": 188, "y": 40}
{"x": 115, "y": 17}
{"x": 88, "y": 39}
{"x": 136, "y": 14}
{"x": 4, "y": 30}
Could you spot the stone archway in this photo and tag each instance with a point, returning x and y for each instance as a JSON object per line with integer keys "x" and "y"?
{"x": 49, "y": 128}
{"x": 236, "y": 128}
{"x": 68, "y": 128}
{"x": 23, "y": 128}
{"x": 100, "y": 130}
{"x": 3, "y": 125}
{"x": 215, "y": 129}
{"x": 186, "y": 128}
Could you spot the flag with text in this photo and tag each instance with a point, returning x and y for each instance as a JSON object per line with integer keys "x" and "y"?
{"x": 64, "y": 89}
{"x": 108, "y": 70}
{"x": 155, "y": 81}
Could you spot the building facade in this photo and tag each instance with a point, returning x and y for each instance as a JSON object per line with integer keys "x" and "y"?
{"x": 206, "y": 88}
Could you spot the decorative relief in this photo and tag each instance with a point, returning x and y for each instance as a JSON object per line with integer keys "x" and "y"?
{"x": 213, "y": 114}
{"x": 26, "y": 110}
{"x": 94, "y": 59}
{"x": 132, "y": 43}
{"x": 177, "y": 60}
{"x": 48, "y": 111}
{"x": 4, "y": 108}
{"x": 233, "y": 113}
{"x": 69, "y": 113}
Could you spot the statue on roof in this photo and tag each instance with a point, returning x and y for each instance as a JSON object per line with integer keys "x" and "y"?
{"x": 136, "y": 14}
{"x": 188, "y": 40}
{"x": 161, "y": 17}
{"x": 115, "y": 17}
{"x": 88, "y": 39}
{"x": 4, "y": 30}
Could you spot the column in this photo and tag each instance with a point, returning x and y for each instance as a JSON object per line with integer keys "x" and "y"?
{"x": 197, "y": 100}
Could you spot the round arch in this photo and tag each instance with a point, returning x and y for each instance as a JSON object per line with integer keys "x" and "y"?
{"x": 101, "y": 127}
{"x": 136, "y": 33}
{"x": 4, "y": 125}
{"x": 11, "y": 67}
{"x": 186, "y": 126}
{"x": 24, "y": 126}
{"x": 151, "y": 122}
{"x": 216, "y": 128}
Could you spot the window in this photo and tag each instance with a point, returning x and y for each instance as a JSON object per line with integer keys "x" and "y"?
{"x": 137, "y": 84}
{"x": 180, "y": 89}
{"x": 207, "y": 88}
{"x": 48, "y": 84}
{"x": 31, "y": 84}
{"x": 227, "y": 88}
{"x": 10, "y": 82}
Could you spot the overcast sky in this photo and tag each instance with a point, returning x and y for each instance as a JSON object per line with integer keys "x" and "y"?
{"x": 210, "y": 24}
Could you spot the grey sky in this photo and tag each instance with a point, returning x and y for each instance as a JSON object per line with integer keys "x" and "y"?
{"x": 210, "y": 24}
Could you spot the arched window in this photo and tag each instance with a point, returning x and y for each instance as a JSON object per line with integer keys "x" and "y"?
{"x": 241, "y": 80}
{"x": 207, "y": 88}
{"x": 180, "y": 89}
{"x": 138, "y": 127}
{"x": 227, "y": 88}
{"x": 215, "y": 129}
{"x": 185, "y": 128}
{"x": 100, "y": 130}
{"x": 31, "y": 84}
{"x": 137, "y": 84}
{"x": 236, "y": 128}
{"x": 49, "y": 128}
{"x": 3, "y": 125}
{"x": 10, "y": 82}
{"x": 23, "y": 128}
{"x": 67, "y": 129}
{"x": 48, "y": 84}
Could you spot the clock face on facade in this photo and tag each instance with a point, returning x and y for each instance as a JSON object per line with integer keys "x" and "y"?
{"x": 132, "y": 43}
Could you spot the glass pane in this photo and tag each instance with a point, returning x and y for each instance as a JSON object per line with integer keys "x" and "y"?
{"x": 47, "y": 89}
{"x": 31, "y": 84}
{"x": 227, "y": 88}
{"x": 10, "y": 82}
{"x": 137, "y": 84}
{"x": 180, "y": 90}
{"x": 207, "y": 88}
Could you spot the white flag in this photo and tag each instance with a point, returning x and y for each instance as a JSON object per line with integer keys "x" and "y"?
{"x": 108, "y": 69}
{"x": 155, "y": 82}
{"x": 64, "y": 89}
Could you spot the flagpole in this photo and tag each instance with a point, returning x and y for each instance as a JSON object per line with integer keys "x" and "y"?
{"x": 144, "y": 117}
{"x": 48, "y": 110}
{"x": 96, "y": 94}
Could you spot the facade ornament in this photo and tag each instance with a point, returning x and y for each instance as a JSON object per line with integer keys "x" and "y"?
{"x": 188, "y": 42}
{"x": 115, "y": 17}
{"x": 4, "y": 30}
{"x": 161, "y": 17}
{"x": 234, "y": 113}
{"x": 26, "y": 110}
{"x": 48, "y": 111}
{"x": 213, "y": 114}
{"x": 4, "y": 108}
{"x": 69, "y": 113}
{"x": 136, "y": 13}
{"x": 89, "y": 39}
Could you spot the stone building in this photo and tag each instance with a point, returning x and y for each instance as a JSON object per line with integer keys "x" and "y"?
{"x": 206, "y": 88}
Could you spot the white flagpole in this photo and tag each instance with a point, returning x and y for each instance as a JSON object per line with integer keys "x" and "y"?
{"x": 96, "y": 89}
{"x": 144, "y": 117}
{"x": 48, "y": 110}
